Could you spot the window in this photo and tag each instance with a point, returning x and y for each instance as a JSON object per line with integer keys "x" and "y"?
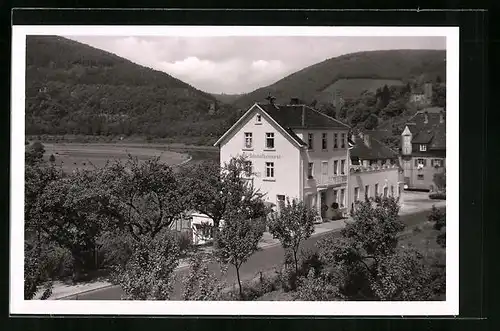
{"x": 423, "y": 162}
{"x": 385, "y": 192}
{"x": 335, "y": 167}
{"x": 270, "y": 169}
{"x": 248, "y": 139}
{"x": 356, "y": 194}
{"x": 367, "y": 191}
{"x": 343, "y": 141}
{"x": 310, "y": 170}
{"x": 437, "y": 163}
{"x": 248, "y": 168}
{"x": 258, "y": 118}
{"x": 335, "y": 196}
{"x": 280, "y": 199}
{"x": 323, "y": 141}
{"x": 335, "y": 143}
{"x": 342, "y": 198}
{"x": 310, "y": 140}
{"x": 392, "y": 190}
{"x": 270, "y": 140}
{"x": 423, "y": 148}
{"x": 399, "y": 190}
{"x": 376, "y": 189}
{"x": 420, "y": 176}
{"x": 342, "y": 166}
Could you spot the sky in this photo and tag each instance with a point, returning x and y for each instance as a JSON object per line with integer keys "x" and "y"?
{"x": 234, "y": 65}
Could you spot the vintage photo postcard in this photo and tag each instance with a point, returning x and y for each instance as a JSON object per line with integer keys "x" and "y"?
{"x": 233, "y": 170}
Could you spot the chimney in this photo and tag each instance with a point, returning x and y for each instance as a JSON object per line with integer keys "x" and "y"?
{"x": 294, "y": 101}
{"x": 442, "y": 116}
{"x": 426, "y": 117}
{"x": 366, "y": 139}
{"x": 271, "y": 99}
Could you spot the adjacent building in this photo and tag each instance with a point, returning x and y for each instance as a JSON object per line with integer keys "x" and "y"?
{"x": 374, "y": 169}
{"x": 423, "y": 148}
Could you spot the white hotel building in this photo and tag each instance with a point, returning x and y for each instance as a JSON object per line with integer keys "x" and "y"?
{"x": 296, "y": 151}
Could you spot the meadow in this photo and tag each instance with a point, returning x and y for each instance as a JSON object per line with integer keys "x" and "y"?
{"x": 73, "y": 156}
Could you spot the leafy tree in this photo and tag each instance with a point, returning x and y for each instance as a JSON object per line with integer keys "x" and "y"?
{"x": 292, "y": 225}
{"x": 438, "y": 218}
{"x": 354, "y": 259}
{"x": 142, "y": 197}
{"x": 440, "y": 180}
{"x": 371, "y": 122}
{"x": 33, "y": 272}
{"x": 149, "y": 273}
{"x": 402, "y": 277}
{"x": 34, "y": 153}
{"x": 313, "y": 288}
{"x": 214, "y": 190}
{"x": 200, "y": 284}
{"x": 65, "y": 214}
{"x": 238, "y": 239}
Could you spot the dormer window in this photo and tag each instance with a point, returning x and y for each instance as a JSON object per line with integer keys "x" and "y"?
{"x": 258, "y": 119}
{"x": 423, "y": 148}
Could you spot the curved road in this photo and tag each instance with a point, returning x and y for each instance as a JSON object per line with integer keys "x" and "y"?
{"x": 263, "y": 260}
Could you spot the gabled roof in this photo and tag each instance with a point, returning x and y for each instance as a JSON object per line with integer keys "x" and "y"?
{"x": 376, "y": 150}
{"x": 433, "y": 132}
{"x": 286, "y": 131}
{"x": 292, "y": 117}
{"x": 301, "y": 117}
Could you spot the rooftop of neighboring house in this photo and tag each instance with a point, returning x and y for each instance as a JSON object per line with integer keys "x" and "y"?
{"x": 428, "y": 126}
{"x": 366, "y": 147}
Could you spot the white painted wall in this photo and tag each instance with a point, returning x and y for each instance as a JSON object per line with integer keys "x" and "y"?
{"x": 286, "y": 156}
{"x": 384, "y": 178}
{"x": 318, "y": 155}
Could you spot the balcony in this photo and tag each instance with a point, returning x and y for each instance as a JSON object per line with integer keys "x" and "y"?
{"x": 332, "y": 180}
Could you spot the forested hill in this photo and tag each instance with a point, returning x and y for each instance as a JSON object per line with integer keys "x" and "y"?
{"x": 73, "y": 88}
{"x": 319, "y": 81}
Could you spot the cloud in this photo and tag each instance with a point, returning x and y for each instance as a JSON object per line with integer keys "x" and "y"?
{"x": 243, "y": 64}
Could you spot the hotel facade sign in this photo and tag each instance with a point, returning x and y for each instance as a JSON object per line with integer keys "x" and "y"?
{"x": 262, "y": 156}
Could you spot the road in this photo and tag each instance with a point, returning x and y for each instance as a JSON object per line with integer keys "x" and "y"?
{"x": 263, "y": 260}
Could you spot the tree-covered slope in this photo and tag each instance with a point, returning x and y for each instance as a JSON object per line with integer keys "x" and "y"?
{"x": 72, "y": 88}
{"x": 310, "y": 83}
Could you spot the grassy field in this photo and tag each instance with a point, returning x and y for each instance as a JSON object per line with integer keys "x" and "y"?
{"x": 85, "y": 156}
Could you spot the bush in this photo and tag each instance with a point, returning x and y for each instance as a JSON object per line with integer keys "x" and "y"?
{"x": 149, "y": 272}
{"x": 184, "y": 240}
{"x": 200, "y": 284}
{"x": 115, "y": 248}
{"x": 437, "y": 196}
{"x": 312, "y": 288}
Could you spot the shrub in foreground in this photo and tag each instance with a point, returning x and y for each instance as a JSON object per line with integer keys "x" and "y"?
{"x": 149, "y": 273}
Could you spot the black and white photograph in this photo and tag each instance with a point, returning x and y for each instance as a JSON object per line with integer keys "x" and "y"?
{"x": 221, "y": 170}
